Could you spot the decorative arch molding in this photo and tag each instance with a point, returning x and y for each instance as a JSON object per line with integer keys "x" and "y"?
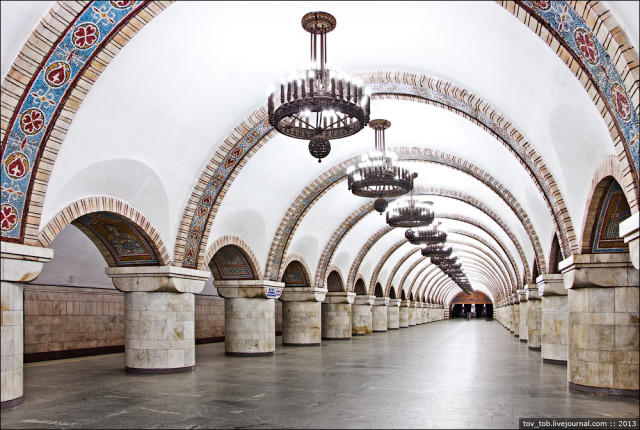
{"x": 373, "y": 239}
{"x": 51, "y": 111}
{"x": 111, "y": 205}
{"x": 609, "y": 167}
{"x": 568, "y": 28}
{"x": 384, "y": 258}
{"x": 487, "y": 262}
{"x": 406, "y": 274}
{"x": 299, "y": 259}
{"x": 334, "y": 268}
{"x": 429, "y": 274}
{"x": 231, "y": 240}
{"x": 400, "y": 262}
{"x": 330, "y": 178}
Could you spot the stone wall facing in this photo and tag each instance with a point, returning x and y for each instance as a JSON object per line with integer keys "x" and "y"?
{"x": 61, "y": 322}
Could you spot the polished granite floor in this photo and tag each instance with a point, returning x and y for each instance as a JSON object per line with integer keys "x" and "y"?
{"x": 447, "y": 374}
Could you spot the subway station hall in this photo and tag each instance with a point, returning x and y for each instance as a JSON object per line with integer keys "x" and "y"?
{"x": 320, "y": 214}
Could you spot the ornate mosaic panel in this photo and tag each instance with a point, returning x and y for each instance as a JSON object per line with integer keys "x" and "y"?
{"x": 294, "y": 276}
{"x": 232, "y": 263}
{"x": 44, "y": 97}
{"x": 612, "y": 210}
{"x": 473, "y": 297}
{"x": 359, "y": 288}
{"x": 121, "y": 238}
{"x": 334, "y": 283}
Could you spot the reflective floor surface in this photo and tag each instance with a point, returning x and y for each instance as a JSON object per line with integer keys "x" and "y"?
{"x": 447, "y": 374}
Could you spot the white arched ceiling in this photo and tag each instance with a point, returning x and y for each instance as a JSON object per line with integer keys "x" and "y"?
{"x": 166, "y": 102}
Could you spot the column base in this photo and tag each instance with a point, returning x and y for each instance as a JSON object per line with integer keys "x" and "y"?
{"x": 358, "y": 334}
{"x": 605, "y": 391}
{"x": 393, "y": 328}
{"x": 336, "y": 338}
{"x": 301, "y": 344}
{"x": 11, "y": 403}
{"x": 516, "y": 335}
{"x": 159, "y": 371}
{"x": 248, "y": 354}
{"x": 381, "y": 331}
{"x": 523, "y": 340}
{"x": 552, "y": 361}
{"x": 535, "y": 348}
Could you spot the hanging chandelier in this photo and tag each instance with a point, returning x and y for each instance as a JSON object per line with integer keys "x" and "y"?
{"x": 436, "y": 250}
{"x": 426, "y": 236}
{"x": 409, "y": 213}
{"x": 319, "y": 103}
{"x": 378, "y": 175}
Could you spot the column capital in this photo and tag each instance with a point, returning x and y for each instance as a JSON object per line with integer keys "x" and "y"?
{"x": 522, "y": 295}
{"x": 629, "y": 229}
{"x": 23, "y": 263}
{"x": 515, "y": 298}
{"x": 340, "y": 297}
{"x": 303, "y": 294}
{"x": 532, "y": 292}
{"x": 364, "y": 300}
{"x": 551, "y": 284}
{"x": 598, "y": 270}
{"x": 394, "y": 302}
{"x": 249, "y": 289}
{"x": 405, "y": 303}
{"x": 167, "y": 279}
{"x": 381, "y": 301}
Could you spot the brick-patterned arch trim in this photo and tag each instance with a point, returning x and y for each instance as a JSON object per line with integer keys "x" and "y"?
{"x": 373, "y": 239}
{"x": 51, "y": 41}
{"x": 334, "y": 268}
{"x": 393, "y": 248}
{"x": 400, "y": 262}
{"x": 299, "y": 259}
{"x": 223, "y": 241}
{"x": 488, "y": 262}
{"x": 610, "y": 167}
{"x": 617, "y": 64}
{"x": 104, "y": 204}
{"x": 330, "y": 178}
{"x": 411, "y": 269}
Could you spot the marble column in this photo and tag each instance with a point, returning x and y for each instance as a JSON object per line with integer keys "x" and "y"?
{"x": 249, "y": 316}
{"x": 380, "y": 314}
{"x": 393, "y": 314}
{"x": 554, "y": 329}
{"x": 404, "y": 313}
{"x": 425, "y": 318}
{"x": 159, "y": 314}
{"x": 524, "y": 310}
{"x": 411, "y": 307}
{"x": 362, "y": 315}
{"x": 534, "y": 317}
{"x": 336, "y": 315}
{"x": 516, "y": 315}
{"x": 417, "y": 312}
{"x": 301, "y": 315}
{"x": 19, "y": 264}
{"x": 603, "y": 307}
{"x": 629, "y": 230}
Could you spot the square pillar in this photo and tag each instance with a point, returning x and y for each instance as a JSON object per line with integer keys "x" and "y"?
{"x": 524, "y": 309}
{"x": 249, "y": 316}
{"x": 554, "y": 329}
{"x": 380, "y": 315}
{"x": 336, "y": 315}
{"x": 534, "y": 317}
{"x": 20, "y": 264}
{"x": 403, "y": 320}
{"x": 629, "y": 230}
{"x": 393, "y": 314}
{"x": 603, "y": 298}
{"x": 159, "y": 313}
{"x": 302, "y": 315}
{"x": 362, "y": 315}
{"x": 516, "y": 315}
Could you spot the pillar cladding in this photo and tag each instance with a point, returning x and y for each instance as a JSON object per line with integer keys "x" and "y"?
{"x": 423, "y": 313}
{"x": 393, "y": 314}
{"x": 524, "y": 309}
{"x": 362, "y": 315}
{"x": 19, "y": 264}
{"x": 630, "y": 230}
{"x": 301, "y": 315}
{"x": 412, "y": 314}
{"x": 534, "y": 317}
{"x": 417, "y": 312}
{"x": 379, "y": 315}
{"x": 554, "y": 329}
{"x": 603, "y": 323}
{"x": 516, "y": 315}
{"x": 159, "y": 314}
{"x": 336, "y": 315}
{"x": 249, "y": 316}
{"x": 403, "y": 320}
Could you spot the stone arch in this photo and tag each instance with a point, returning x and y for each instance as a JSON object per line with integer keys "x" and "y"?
{"x": 299, "y": 259}
{"x": 334, "y": 280}
{"x": 378, "y": 290}
{"x": 555, "y": 256}
{"x": 401, "y": 261}
{"x": 392, "y": 292}
{"x": 50, "y": 39}
{"x": 295, "y": 275}
{"x": 403, "y": 294}
{"x": 229, "y": 257}
{"x": 355, "y": 266}
{"x": 609, "y": 207}
{"x": 383, "y": 260}
{"x": 92, "y": 214}
{"x": 359, "y": 288}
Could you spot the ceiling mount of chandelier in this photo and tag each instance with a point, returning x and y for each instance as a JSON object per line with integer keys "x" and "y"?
{"x": 319, "y": 103}
{"x": 378, "y": 175}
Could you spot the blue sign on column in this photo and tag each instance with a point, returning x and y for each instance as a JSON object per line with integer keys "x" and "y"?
{"x": 272, "y": 293}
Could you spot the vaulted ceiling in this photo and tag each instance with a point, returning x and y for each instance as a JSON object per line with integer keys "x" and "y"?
{"x": 506, "y": 125}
